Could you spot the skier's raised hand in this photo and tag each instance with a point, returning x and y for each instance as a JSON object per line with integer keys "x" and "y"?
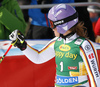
{"x": 18, "y": 39}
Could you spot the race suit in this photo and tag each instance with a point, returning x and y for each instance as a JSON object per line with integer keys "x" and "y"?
{"x": 76, "y": 60}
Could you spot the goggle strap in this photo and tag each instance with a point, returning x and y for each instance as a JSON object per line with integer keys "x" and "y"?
{"x": 62, "y": 21}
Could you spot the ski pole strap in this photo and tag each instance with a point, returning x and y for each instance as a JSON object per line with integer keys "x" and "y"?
{"x": 14, "y": 42}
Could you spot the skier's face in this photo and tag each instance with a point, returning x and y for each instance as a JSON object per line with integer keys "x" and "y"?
{"x": 56, "y": 32}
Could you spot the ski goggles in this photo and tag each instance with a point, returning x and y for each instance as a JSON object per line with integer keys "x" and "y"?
{"x": 53, "y": 24}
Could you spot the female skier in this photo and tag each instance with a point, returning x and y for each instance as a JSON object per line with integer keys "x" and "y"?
{"x": 75, "y": 55}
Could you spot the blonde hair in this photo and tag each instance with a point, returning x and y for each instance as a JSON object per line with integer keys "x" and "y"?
{"x": 80, "y": 29}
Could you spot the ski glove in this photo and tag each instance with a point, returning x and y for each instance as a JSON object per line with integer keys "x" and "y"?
{"x": 18, "y": 39}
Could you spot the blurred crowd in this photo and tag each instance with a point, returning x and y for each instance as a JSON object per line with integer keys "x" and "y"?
{"x": 94, "y": 13}
{"x": 34, "y": 24}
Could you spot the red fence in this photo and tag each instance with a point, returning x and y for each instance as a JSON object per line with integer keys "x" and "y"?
{"x": 18, "y": 71}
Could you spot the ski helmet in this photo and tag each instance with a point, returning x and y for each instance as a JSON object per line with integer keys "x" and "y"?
{"x": 63, "y": 17}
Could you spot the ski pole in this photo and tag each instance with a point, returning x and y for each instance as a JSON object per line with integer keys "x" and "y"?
{"x": 7, "y": 51}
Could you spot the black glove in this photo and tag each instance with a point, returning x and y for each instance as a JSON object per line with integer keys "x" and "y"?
{"x": 18, "y": 39}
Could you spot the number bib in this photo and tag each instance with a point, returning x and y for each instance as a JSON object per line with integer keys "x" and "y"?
{"x": 68, "y": 59}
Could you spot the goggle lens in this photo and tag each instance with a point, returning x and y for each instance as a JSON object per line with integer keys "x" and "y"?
{"x": 51, "y": 24}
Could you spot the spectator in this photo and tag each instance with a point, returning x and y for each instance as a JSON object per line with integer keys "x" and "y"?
{"x": 39, "y": 28}
{"x": 97, "y": 31}
{"x": 25, "y": 11}
{"x": 84, "y": 16}
{"x": 11, "y": 18}
{"x": 94, "y": 15}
